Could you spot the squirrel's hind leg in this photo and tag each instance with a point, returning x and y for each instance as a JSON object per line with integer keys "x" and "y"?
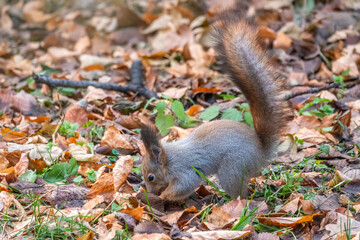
{"x": 232, "y": 181}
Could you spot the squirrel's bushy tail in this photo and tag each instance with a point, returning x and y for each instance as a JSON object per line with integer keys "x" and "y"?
{"x": 249, "y": 68}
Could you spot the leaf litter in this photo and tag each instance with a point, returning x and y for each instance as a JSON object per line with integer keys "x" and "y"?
{"x": 70, "y": 158}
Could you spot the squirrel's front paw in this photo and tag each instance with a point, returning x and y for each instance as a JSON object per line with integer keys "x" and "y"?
{"x": 167, "y": 196}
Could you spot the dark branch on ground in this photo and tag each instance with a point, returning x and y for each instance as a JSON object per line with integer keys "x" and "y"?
{"x": 135, "y": 85}
{"x": 350, "y": 82}
{"x": 312, "y": 90}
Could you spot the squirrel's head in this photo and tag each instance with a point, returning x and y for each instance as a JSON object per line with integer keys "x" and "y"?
{"x": 154, "y": 162}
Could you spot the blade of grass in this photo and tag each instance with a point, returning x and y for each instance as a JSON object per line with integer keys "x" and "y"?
{"x": 213, "y": 185}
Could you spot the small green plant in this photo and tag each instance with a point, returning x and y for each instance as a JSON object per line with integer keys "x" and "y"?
{"x": 78, "y": 179}
{"x": 183, "y": 119}
{"x": 299, "y": 141}
{"x": 325, "y": 148}
{"x": 340, "y": 79}
{"x": 245, "y": 110}
{"x": 91, "y": 175}
{"x": 226, "y": 96}
{"x": 68, "y": 129}
{"x": 29, "y": 176}
{"x": 210, "y": 113}
{"x": 246, "y": 216}
{"x": 163, "y": 121}
{"x": 123, "y": 234}
{"x": 115, "y": 207}
{"x": 232, "y": 114}
{"x": 204, "y": 215}
{"x": 321, "y": 112}
{"x": 94, "y": 131}
{"x": 49, "y": 149}
{"x": 60, "y": 171}
{"x": 147, "y": 200}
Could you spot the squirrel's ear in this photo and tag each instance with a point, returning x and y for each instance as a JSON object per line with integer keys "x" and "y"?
{"x": 149, "y": 136}
{"x": 156, "y": 153}
{"x": 151, "y": 139}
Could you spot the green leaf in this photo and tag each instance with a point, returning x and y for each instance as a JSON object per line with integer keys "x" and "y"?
{"x": 325, "y": 148}
{"x": 210, "y": 113}
{"x": 315, "y": 101}
{"x": 164, "y": 122}
{"x": 226, "y": 96}
{"x": 67, "y": 91}
{"x": 91, "y": 175}
{"x": 249, "y": 119}
{"x": 78, "y": 179}
{"x": 61, "y": 171}
{"x": 232, "y": 114}
{"x": 178, "y": 110}
{"x": 29, "y": 176}
{"x": 160, "y": 107}
{"x": 327, "y": 109}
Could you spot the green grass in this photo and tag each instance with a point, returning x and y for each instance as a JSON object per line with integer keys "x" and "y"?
{"x": 46, "y": 225}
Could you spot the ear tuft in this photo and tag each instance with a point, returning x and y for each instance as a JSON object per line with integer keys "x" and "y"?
{"x": 156, "y": 151}
{"x": 150, "y": 136}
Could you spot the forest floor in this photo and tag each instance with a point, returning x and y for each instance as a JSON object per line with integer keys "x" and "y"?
{"x": 77, "y": 79}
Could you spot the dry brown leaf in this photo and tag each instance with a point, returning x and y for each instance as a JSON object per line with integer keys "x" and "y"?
{"x": 113, "y": 138}
{"x": 179, "y": 133}
{"x": 348, "y": 61}
{"x": 59, "y": 53}
{"x": 311, "y": 136}
{"x": 34, "y": 12}
{"x": 41, "y": 151}
{"x": 219, "y": 217}
{"x": 94, "y": 202}
{"x": 121, "y": 170}
{"x": 107, "y": 227}
{"x": 153, "y": 236}
{"x": 282, "y": 41}
{"x": 23, "y": 164}
{"x": 175, "y": 93}
{"x": 291, "y": 207}
{"x": 283, "y": 222}
{"x": 307, "y": 207}
{"x": 337, "y": 179}
{"x": 103, "y": 184}
{"x": 88, "y": 60}
{"x": 4, "y": 163}
{"x": 217, "y": 234}
{"x": 341, "y": 220}
{"x": 77, "y": 114}
{"x": 137, "y": 213}
{"x": 80, "y": 153}
{"x": 94, "y": 94}
{"x": 195, "y": 110}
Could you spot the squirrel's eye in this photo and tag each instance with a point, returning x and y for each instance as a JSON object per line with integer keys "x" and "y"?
{"x": 151, "y": 177}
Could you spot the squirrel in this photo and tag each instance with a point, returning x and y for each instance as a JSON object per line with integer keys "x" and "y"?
{"x": 233, "y": 151}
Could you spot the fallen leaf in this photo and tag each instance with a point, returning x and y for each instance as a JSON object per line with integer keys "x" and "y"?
{"x": 103, "y": 184}
{"x": 113, "y": 138}
{"x": 284, "y": 222}
{"x": 80, "y": 153}
{"x": 121, "y": 170}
